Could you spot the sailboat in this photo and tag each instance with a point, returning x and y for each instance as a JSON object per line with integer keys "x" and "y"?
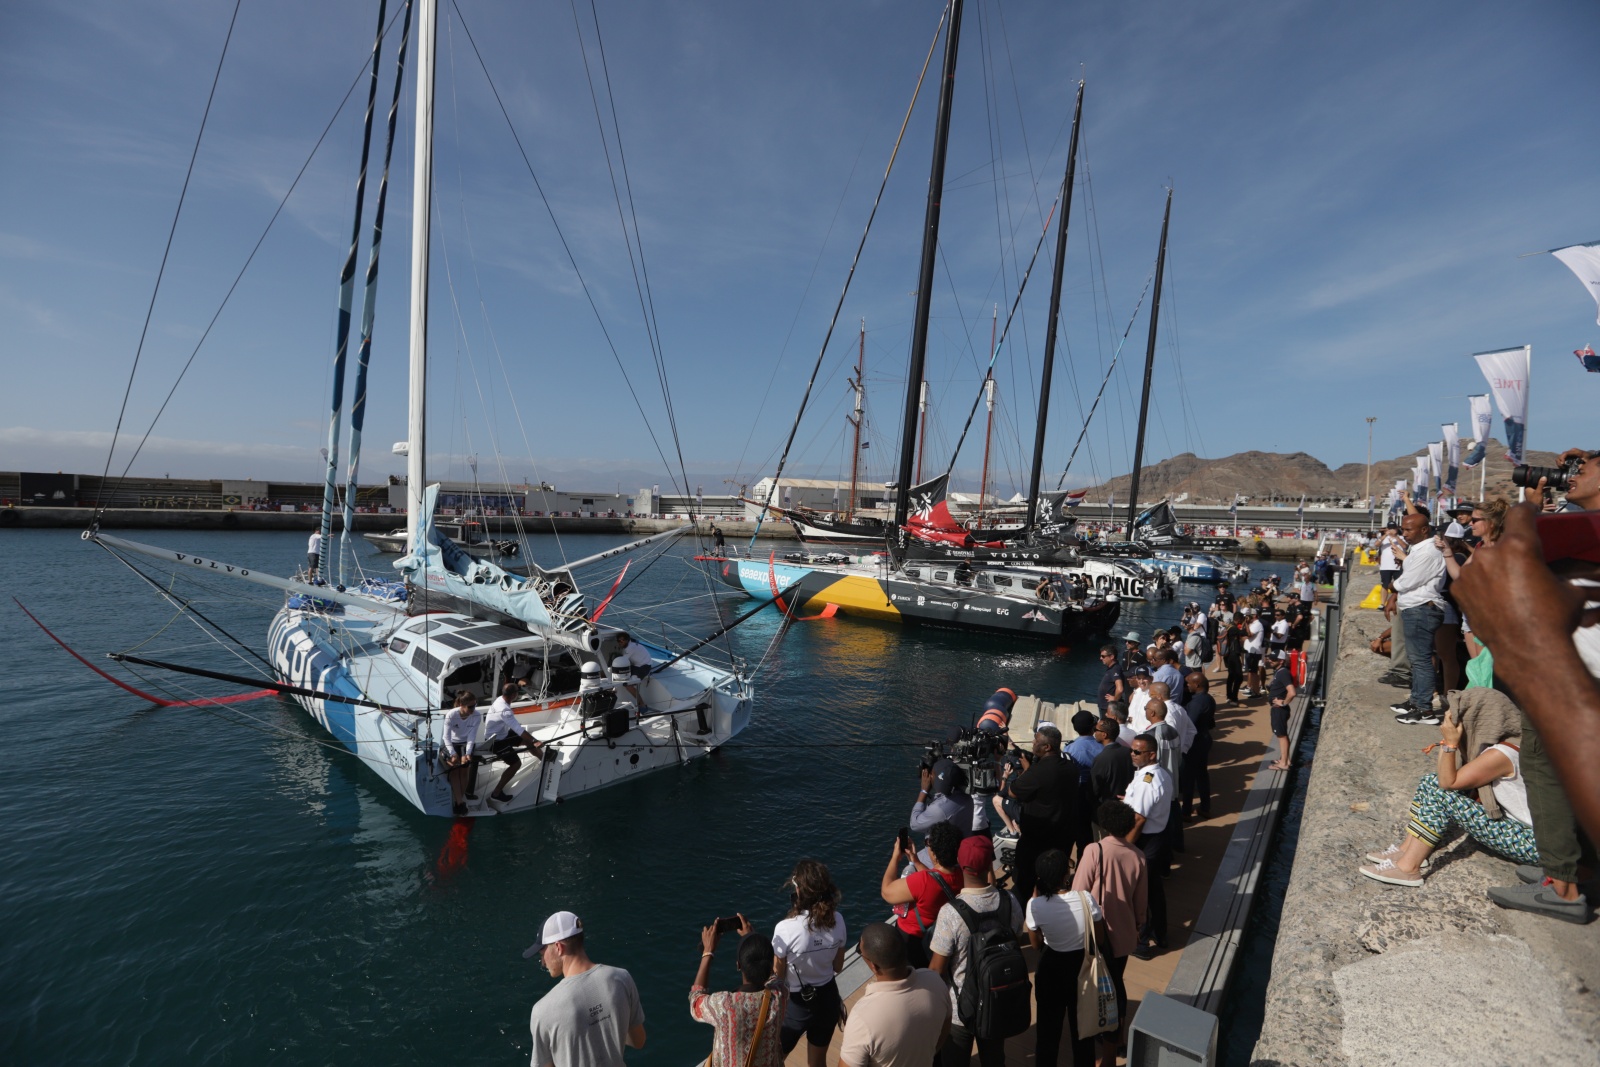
{"x": 379, "y": 666}
{"x": 887, "y": 581}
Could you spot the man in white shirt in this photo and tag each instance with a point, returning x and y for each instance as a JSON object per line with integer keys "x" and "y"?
{"x": 1137, "y": 700}
{"x": 1255, "y": 643}
{"x": 1419, "y": 597}
{"x": 1150, "y": 795}
{"x": 504, "y": 735}
{"x": 313, "y": 554}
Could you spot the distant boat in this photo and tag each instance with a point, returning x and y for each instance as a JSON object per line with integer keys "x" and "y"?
{"x": 467, "y": 534}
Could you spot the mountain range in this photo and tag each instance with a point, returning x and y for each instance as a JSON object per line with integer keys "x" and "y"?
{"x": 1259, "y": 477}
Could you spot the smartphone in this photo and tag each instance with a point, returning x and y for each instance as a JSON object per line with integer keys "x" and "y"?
{"x": 727, "y": 925}
{"x": 905, "y": 838}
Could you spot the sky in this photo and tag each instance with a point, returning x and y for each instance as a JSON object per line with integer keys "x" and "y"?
{"x": 1353, "y": 185}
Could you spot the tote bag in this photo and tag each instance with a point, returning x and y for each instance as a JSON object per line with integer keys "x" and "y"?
{"x": 1097, "y": 994}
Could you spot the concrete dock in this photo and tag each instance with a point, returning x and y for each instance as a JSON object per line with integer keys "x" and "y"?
{"x": 1365, "y": 973}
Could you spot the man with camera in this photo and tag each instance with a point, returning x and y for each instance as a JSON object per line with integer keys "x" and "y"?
{"x": 1047, "y": 789}
{"x": 942, "y": 798}
{"x": 1578, "y": 476}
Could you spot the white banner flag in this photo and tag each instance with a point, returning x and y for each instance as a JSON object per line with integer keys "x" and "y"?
{"x": 1435, "y": 460}
{"x": 1506, "y": 371}
{"x": 1507, "y": 374}
{"x": 1584, "y": 261}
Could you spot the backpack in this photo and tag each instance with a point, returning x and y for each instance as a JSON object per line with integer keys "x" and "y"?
{"x": 996, "y": 999}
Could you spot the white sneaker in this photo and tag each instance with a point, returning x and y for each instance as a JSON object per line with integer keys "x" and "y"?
{"x": 1389, "y": 854}
{"x": 1389, "y": 874}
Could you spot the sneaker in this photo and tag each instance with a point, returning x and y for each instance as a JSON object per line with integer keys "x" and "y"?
{"x": 472, "y": 796}
{"x": 1401, "y": 709}
{"x": 1246, "y": 691}
{"x": 459, "y": 810}
{"x": 501, "y": 796}
{"x": 1390, "y": 853}
{"x": 1529, "y": 874}
{"x": 1391, "y": 678}
{"x": 1386, "y": 872}
{"x": 1540, "y": 899}
{"x": 1429, "y": 718}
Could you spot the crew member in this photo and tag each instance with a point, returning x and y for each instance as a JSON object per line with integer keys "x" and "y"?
{"x": 504, "y": 735}
{"x": 460, "y": 746}
{"x": 639, "y": 659}
{"x": 313, "y": 554}
{"x": 1150, "y": 795}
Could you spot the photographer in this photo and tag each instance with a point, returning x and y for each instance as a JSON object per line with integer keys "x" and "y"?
{"x": 942, "y": 798}
{"x": 1582, "y": 475}
{"x": 750, "y": 1015}
{"x": 1048, "y": 791}
{"x": 924, "y": 892}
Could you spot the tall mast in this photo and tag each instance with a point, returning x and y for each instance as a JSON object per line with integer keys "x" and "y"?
{"x": 1055, "y": 315}
{"x": 421, "y": 200}
{"x": 860, "y": 387}
{"x": 930, "y": 250}
{"x": 922, "y": 427}
{"x": 988, "y": 430}
{"x": 1149, "y": 366}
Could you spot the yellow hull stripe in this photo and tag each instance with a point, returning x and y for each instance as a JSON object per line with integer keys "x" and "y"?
{"x": 855, "y": 595}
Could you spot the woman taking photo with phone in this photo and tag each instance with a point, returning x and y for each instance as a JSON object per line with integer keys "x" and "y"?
{"x": 746, "y": 1021}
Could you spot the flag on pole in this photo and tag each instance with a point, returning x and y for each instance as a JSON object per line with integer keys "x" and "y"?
{"x": 1452, "y": 455}
{"x": 1073, "y": 499}
{"x": 1506, "y": 371}
{"x": 1588, "y": 359}
{"x": 1435, "y": 460}
{"x": 1482, "y": 422}
{"x": 1584, "y": 261}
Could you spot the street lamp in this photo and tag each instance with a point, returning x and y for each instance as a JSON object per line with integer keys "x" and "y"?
{"x": 1370, "y": 420}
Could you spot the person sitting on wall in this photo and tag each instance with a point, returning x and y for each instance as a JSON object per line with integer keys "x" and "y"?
{"x": 505, "y": 735}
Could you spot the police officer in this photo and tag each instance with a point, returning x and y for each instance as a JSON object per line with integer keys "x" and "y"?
{"x": 1150, "y": 795}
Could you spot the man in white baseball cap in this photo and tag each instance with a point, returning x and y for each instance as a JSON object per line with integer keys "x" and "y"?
{"x": 592, "y": 1013}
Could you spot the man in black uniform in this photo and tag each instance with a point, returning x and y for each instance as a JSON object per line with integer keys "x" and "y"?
{"x": 1112, "y": 770}
{"x": 1047, "y": 789}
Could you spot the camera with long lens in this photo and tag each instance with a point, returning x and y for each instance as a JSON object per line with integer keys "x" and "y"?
{"x": 1557, "y": 478}
{"x": 978, "y": 754}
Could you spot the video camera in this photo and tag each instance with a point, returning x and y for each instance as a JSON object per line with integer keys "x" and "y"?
{"x": 1557, "y": 478}
{"x": 978, "y": 754}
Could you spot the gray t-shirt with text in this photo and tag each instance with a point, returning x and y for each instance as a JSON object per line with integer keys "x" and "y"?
{"x": 584, "y": 1021}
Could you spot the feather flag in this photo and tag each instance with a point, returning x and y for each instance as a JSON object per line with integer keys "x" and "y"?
{"x": 1584, "y": 261}
{"x": 1506, "y": 371}
{"x": 1452, "y": 455}
{"x": 1482, "y": 423}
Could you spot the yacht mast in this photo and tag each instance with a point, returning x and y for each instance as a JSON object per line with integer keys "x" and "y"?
{"x": 1149, "y": 366}
{"x": 1055, "y": 315}
{"x": 421, "y": 200}
{"x": 860, "y": 387}
{"x": 930, "y": 252}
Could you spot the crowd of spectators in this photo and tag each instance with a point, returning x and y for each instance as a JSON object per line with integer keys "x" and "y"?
{"x": 1494, "y": 642}
{"x": 1068, "y": 855}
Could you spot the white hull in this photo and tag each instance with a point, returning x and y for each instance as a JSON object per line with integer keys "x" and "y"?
{"x": 403, "y": 749}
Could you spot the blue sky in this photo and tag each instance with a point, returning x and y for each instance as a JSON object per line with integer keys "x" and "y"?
{"x": 1354, "y": 184}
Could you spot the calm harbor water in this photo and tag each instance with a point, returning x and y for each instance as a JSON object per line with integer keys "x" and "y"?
{"x": 220, "y": 885}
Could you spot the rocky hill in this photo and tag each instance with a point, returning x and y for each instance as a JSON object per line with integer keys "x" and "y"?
{"x": 1262, "y": 476}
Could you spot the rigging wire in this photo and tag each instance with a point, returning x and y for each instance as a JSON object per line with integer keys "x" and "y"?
{"x": 850, "y": 275}
{"x": 237, "y": 278}
{"x": 565, "y": 246}
{"x": 172, "y": 231}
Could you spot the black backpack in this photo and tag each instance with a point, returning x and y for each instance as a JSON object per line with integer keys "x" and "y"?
{"x": 996, "y": 999}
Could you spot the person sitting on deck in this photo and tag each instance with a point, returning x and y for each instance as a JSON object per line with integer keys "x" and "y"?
{"x": 504, "y": 735}
{"x": 1045, "y": 590}
{"x": 460, "y": 746}
{"x": 639, "y": 658}
{"x": 1445, "y": 799}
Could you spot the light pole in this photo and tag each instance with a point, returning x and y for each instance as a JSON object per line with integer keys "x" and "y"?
{"x": 1370, "y": 420}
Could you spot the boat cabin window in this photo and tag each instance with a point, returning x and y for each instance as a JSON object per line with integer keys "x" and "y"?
{"x": 466, "y": 677}
{"x": 941, "y": 576}
{"x": 913, "y": 573}
{"x": 398, "y": 645}
{"x": 1002, "y": 581}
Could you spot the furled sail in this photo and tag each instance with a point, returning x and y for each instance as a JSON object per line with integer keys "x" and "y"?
{"x": 545, "y": 601}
